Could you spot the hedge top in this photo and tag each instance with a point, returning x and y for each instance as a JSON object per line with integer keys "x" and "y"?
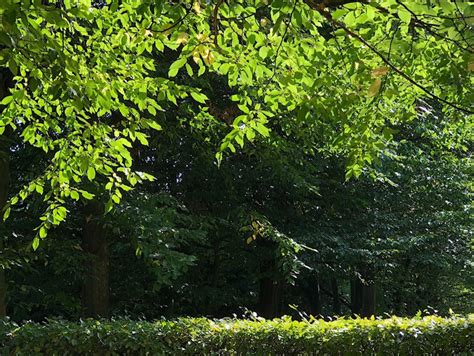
{"x": 427, "y": 335}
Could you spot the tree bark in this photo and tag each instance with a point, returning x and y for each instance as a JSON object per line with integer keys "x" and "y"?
{"x": 5, "y": 82}
{"x": 368, "y": 300}
{"x": 356, "y": 296}
{"x": 95, "y": 291}
{"x": 270, "y": 291}
{"x": 336, "y": 303}
{"x": 363, "y": 300}
{"x": 368, "y": 293}
{"x": 4, "y": 184}
{"x": 331, "y": 4}
{"x": 316, "y": 298}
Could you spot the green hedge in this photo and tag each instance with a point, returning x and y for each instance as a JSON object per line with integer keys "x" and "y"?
{"x": 428, "y": 335}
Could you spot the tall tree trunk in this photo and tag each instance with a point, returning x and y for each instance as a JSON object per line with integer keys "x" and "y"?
{"x": 270, "y": 297}
{"x": 95, "y": 291}
{"x": 270, "y": 291}
{"x": 356, "y": 296}
{"x": 5, "y": 83}
{"x": 363, "y": 294}
{"x": 315, "y": 297}
{"x": 4, "y": 184}
{"x": 368, "y": 293}
{"x": 336, "y": 303}
{"x": 368, "y": 300}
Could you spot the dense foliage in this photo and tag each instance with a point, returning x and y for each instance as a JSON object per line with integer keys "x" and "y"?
{"x": 91, "y": 79}
{"x": 161, "y": 159}
{"x": 429, "y": 335}
{"x": 187, "y": 246}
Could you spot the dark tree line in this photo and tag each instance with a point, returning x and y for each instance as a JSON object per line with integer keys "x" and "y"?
{"x": 270, "y": 230}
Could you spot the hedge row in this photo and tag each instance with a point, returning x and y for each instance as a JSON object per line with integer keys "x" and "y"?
{"x": 428, "y": 335}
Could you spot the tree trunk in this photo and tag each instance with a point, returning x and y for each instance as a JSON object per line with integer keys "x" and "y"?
{"x": 336, "y": 303}
{"x": 368, "y": 300}
{"x": 5, "y": 82}
{"x": 270, "y": 291}
{"x": 95, "y": 292}
{"x": 316, "y": 298}
{"x": 356, "y": 296}
{"x": 363, "y": 295}
{"x": 4, "y": 183}
{"x": 270, "y": 295}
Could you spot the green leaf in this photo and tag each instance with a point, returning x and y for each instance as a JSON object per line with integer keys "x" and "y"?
{"x": 349, "y": 174}
{"x": 250, "y": 133}
{"x": 189, "y": 70}
{"x": 69, "y": 110}
{"x": 404, "y": 15}
{"x": 109, "y": 206}
{"x": 142, "y": 138}
{"x": 151, "y": 110}
{"x": 6, "y": 100}
{"x": 176, "y": 66}
{"x": 124, "y": 110}
{"x": 43, "y": 232}
{"x": 262, "y": 130}
{"x": 199, "y": 97}
{"x": 263, "y": 52}
{"x": 39, "y": 189}
{"x": 277, "y": 3}
{"x": 74, "y": 195}
{"x": 91, "y": 173}
{"x": 350, "y": 19}
{"x": 6, "y": 214}
{"x": 154, "y": 125}
{"x": 87, "y": 195}
{"x": 202, "y": 70}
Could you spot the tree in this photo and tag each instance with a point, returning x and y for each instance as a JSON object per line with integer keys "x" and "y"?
{"x": 94, "y": 80}
{"x": 194, "y": 228}
{"x": 85, "y": 88}
{"x": 5, "y": 178}
{"x": 4, "y": 185}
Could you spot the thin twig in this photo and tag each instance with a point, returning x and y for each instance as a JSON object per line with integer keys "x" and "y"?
{"x": 328, "y": 16}
{"x": 290, "y": 17}
{"x": 215, "y": 21}
{"x": 427, "y": 26}
{"x": 188, "y": 11}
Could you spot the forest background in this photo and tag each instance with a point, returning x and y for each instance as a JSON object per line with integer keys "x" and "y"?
{"x": 163, "y": 158}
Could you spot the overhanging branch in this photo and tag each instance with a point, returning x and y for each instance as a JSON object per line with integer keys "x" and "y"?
{"x": 339, "y": 24}
{"x": 329, "y": 4}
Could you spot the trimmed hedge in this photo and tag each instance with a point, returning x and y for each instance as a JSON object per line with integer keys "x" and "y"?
{"x": 428, "y": 335}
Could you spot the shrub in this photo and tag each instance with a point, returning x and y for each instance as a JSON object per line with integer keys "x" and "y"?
{"x": 428, "y": 335}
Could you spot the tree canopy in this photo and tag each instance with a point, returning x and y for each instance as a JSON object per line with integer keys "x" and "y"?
{"x": 287, "y": 156}
{"x": 92, "y": 78}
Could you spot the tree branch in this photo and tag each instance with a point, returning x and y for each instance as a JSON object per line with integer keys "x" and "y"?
{"x": 215, "y": 21}
{"x": 329, "y": 4}
{"x": 328, "y": 16}
{"x": 427, "y": 26}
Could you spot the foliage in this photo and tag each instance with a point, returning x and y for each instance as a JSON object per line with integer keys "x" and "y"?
{"x": 158, "y": 226}
{"x": 405, "y": 231}
{"x": 89, "y": 83}
{"x": 427, "y": 335}
{"x": 294, "y": 98}
{"x": 194, "y": 223}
